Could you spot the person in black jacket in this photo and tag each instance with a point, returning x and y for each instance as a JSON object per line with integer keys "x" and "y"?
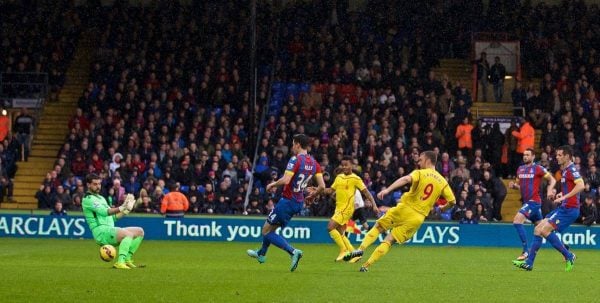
{"x": 589, "y": 213}
{"x": 497, "y": 191}
{"x": 497, "y": 74}
{"x": 483, "y": 71}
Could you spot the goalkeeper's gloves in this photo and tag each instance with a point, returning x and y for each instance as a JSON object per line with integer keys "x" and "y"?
{"x": 123, "y": 208}
{"x": 129, "y": 203}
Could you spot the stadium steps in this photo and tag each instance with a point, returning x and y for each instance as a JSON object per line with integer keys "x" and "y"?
{"x": 538, "y": 139}
{"x": 511, "y": 204}
{"x": 492, "y": 109}
{"x": 52, "y": 130}
{"x": 456, "y": 70}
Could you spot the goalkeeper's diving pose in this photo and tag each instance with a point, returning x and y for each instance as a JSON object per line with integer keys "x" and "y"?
{"x": 101, "y": 220}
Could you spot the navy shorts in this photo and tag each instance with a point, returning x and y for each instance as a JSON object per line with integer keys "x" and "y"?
{"x": 532, "y": 211}
{"x": 284, "y": 211}
{"x": 562, "y": 217}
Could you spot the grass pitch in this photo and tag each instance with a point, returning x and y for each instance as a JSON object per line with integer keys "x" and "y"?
{"x": 52, "y": 270}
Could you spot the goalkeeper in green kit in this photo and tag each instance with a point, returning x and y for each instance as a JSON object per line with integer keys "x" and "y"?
{"x": 101, "y": 220}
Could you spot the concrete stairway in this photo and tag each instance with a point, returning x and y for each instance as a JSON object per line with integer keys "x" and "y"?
{"x": 456, "y": 70}
{"x": 51, "y": 130}
{"x": 511, "y": 204}
{"x": 461, "y": 70}
{"x": 492, "y": 109}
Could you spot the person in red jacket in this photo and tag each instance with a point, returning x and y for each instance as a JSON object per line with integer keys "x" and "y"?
{"x": 174, "y": 204}
{"x": 4, "y": 125}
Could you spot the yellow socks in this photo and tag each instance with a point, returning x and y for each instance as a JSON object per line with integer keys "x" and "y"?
{"x": 369, "y": 238}
{"x": 347, "y": 244}
{"x": 338, "y": 239}
{"x": 379, "y": 252}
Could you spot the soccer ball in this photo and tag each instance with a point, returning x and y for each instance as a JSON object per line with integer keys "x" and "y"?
{"x": 107, "y": 253}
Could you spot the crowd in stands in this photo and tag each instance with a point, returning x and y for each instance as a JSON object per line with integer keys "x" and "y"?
{"x": 37, "y": 39}
{"x": 170, "y": 104}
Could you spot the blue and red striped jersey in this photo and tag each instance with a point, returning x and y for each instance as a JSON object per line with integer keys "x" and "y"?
{"x": 569, "y": 177}
{"x": 530, "y": 181}
{"x": 302, "y": 168}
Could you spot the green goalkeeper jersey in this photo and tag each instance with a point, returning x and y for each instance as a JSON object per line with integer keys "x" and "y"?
{"x": 95, "y": 210}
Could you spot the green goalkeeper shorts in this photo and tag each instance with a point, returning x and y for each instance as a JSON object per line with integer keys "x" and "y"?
{"x": 105, "y": 235}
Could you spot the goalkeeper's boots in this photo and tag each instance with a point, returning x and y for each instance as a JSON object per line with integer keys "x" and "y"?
{"x": 130, "y": 264}
{"x": 570, "y": 262}
{"x": 353, "y": 254}
{"x": 254, "y": 254}
{"x": 296, "y": 256}
{"x": 120, "y": 265}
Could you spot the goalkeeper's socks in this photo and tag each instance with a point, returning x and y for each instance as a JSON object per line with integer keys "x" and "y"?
{"x": 135, "y": 244}
{"x": 124, "y": 249}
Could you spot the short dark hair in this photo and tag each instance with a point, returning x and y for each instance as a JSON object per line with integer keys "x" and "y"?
{"x": 566, "y": 149}
{"x": 347, "y": 158}
{"x": 531, "y": 150}
{"x": 91, "y": 177}
{"x": 301, "y": 139}
{"x": 173, "y": 186}
{"x": 429, "y": 154}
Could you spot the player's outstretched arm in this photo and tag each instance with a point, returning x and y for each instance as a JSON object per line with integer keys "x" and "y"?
{"x": 320, "y": 182}
{"x": 285, "y": 179}
{"x": 397, "y": 184}
{"x": 315, "y": 191}
{"x": 327, "y": 191}
{"x": 370, "y": 200}
{"x": 551, "y": 185}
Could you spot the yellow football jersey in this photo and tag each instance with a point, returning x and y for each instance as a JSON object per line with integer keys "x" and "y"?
{"x": 345, "y": 188}
{"x": 427, "y": 186}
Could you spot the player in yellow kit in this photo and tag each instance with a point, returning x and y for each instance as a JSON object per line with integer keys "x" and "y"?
{"x": 345, "y": 185}
{"x": 427, "y": 185}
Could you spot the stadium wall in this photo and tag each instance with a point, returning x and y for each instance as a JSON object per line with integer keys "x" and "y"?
{"x": 300, "y": 230}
